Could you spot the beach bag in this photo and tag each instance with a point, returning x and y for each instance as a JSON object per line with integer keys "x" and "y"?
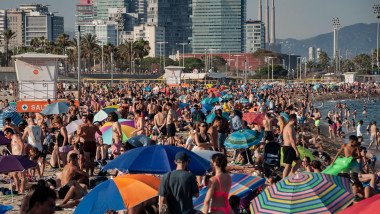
{"x": 165, "y": 205}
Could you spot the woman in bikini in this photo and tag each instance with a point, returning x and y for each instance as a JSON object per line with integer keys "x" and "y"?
{"x": 219, "y": 187}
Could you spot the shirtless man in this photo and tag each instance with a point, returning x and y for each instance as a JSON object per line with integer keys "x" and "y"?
{"x": 17, "y": 148}
{"x": 350, "y": 150}
{"x": 39, "y": 119}
{"x": 73, "y": 182}
{"x": 8, "y": 124}
{"x": 117, "y": 136}
{"x": 302, "y": 113}
{"x": 289, "y": 148}
{"x": 170, "y": 124}
{"x": 213, "y": 132}
{"x": 81, "y": 141}
{"x": 73, "y": 111}
{"x": 268, "y": 130}
{"x": 160, "y": 123}
{"x": 152, "y": 109}
{"x": 373, "y": 135}
{"x": 87, "y": 132}
{"x": 96, "y": 107}
{"x": 317, "y": 119}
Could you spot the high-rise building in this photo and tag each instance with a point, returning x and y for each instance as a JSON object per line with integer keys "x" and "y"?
{"x": 85, "y": 14}
{"x": 3, "y": 23}
{"x": 15, "y": 23}
{"x": 153, "y": 35}
{"x": 41, "y": 24}
{"x": 142, "y": 10}
{"x": 105, "y": 31}
{"x": 311, "y": 54}
{"x": 174, "y": 16}
{"x": 254, "y": 36}
{"x": 103, "y": 6}
{"x": 218, "y": 25}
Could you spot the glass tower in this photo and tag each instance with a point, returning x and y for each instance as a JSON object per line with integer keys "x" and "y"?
{"x": 218, "y": 25}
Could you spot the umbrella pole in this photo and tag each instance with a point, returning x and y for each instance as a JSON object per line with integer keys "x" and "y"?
{"x": 11, "y": 189}
{"x": 246, "y": 152}
{"x": 8, "y": 150}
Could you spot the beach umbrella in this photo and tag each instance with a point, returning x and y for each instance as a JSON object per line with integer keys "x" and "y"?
{"x": 211, "y": 90}
{"x": 13, "y": 103}
{"x": 148, "y": 88}
{"x": 242, "y": 139}
{"x": 183, "y": 105}
{"x": 265, "y": 87}
{"x": 15, "y": 117}
{"x": 3, "y": 139}
{"x": 103, "y": 114}
{"x": 206, "y": 154}
{"x": 15, "y": 163}
{"x": 73, "y": 126}
{"x": 223, "y": 93}
{"x": 182, "y": 97}
{"x": 120, "y": 193}
{"x": 242, "y": 101}
{"x": 156, "y": 160}
{"x": 253, "y": 90}
{"x": 106, "y": 129}
{"x": 241, "y": 186}
{"x": 211, "y": 117}
{"x": 305, "y": 193}
{"x": 206, "y": 100}
{"x": 139, "y": 141}
{"x": 257, "y": 118}
{"x": 56, "y": 108}
{"x": 10, "y": 109}
{"x": 228, "y": 96}
{"x": 113, "y": 107}
{"x": 203, "y": 109}
{"x": 208, "y": 107}
{"x": 218, "y": 94}
{"x": 369, "y": 205}
{"x": 4, "y": 209}
{"x": 125, "y": 122}
{"x": 316, "y": 87}
{"x": 285, "y": 115}
{"x": 223, "y": 87}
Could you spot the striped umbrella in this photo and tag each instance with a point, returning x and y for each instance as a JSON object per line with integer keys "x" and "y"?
{"x": 125, "y": 122}
{"x": 103, "y": 114}
{"x": 241, "y": 186}
{"x": 305, "y": 193}
{"x": 15, "y": 117}
{"x": 242, "y": 139}
{"x": 228, "y": 96}
{"x": 242, "y": 101}
{"x": 10, "y": 109}
{"x": 106, "y": 129}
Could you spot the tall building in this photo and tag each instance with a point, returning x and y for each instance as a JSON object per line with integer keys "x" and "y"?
{"x": 153, "y": 35}
{"x": 3, "y": 23}
{"x": 103, "y": 6}
{"x": 38, "y": 24}
{"x": 218, "y": 25}
{"x": 85, "y": 14}
{"x": 174, "y": 16}
{"x": 254, "y": 36}
{"x": 105, "y": 31}
{"x": 142, "y": 10}
{"x": 311, "y": 54}
{"x": 15, "y": 23}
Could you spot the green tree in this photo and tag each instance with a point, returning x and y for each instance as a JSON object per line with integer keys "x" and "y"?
{"x": 90, "y": 47}
{"x": 348, "y": 66}
{"x": 219, "y": 63}
{"x": 278, "y": 72}
{"x": 193, "y": 63}
{"x": 63, "y": 41}
{"x": 8, "y": 35}
{"x": 362, "y": 62}
{"x": 262, "y": 54}
{"x": 323, "y": 60}
{"x": 35, "y": 43}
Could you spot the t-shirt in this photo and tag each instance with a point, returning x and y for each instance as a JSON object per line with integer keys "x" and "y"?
{"x": 198, "y": 115}
{"x": 183, "y": 186}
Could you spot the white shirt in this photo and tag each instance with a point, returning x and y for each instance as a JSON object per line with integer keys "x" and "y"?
{"x": 358, "y": 131}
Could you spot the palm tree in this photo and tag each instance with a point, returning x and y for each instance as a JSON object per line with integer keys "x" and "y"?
{"x": 8, "y": 35}
{"x": 90, "y": 46}
{"x": 35, "y": 43}
{"x": 128, "y": 52}
{"x": 43, "y": 42}
{"x": 63, "y": 41}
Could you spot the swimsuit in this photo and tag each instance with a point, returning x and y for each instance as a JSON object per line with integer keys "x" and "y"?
{"x": 227, "y": 207}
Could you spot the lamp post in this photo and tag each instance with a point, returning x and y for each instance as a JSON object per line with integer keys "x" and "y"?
{"x": 79, "y": 95}
{"x": 161, "y": 54}
{"x": 237, "y": 64}
{"x": 272, "y": 67}
{"x": 210, "y": 49}
{"x": 298, "y": 64}
{"x": 376, "y": 10}
{"x": 336, "y": 25}
{"x": 183, "y": 52}
{"x": 305, "y": 60}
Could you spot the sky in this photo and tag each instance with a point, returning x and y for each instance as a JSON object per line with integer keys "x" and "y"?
{"x": 298, "y": 19}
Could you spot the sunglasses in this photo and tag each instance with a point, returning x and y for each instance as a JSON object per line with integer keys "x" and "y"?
{"x": 202, "y": 126}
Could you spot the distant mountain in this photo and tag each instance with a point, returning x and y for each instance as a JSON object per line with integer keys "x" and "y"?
{"x": 354, "y": 39}
{"x": 70, "y": 32}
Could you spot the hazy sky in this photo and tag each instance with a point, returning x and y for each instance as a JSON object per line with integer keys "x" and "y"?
{"x": 297, "y": 19}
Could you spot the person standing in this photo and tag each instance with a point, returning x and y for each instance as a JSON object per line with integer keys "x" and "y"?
{"x": 179, "y": 187}
{"x": 359, "y": 129}
{"x": 373, "y": 135}
{"x": 117, "y": 136}
{"x": 33, "y": 135}
{"x": 219, "y": 186}
{"x": 289, "y": 148}
{"x": 73, "y": 111}
{"x": 170, "y": 124}
{"x": 268, "y": 130}
{"x": 17, "y": 148}
{"x": 317, "y": 119}
{"x": 62, "y": 143}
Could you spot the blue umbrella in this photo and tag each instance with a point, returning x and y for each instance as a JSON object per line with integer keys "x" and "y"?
{"x": 265, "y": 87}
{"x": 286, "y": 116}
{"x": 183, "y": 105}
{"x": 3, "y": 139}
{"x": 242, "y": 139}
{"x": 216, "y": 99}
{"x": 228, "y": 96}
{"x": 206, "y": 100}
{"x": 148, "y": 88}
{"x": 253, "y": 90}
{"x": 56, "y": 108}
{"x": 139, "y": 141}
{"x": 9, "y": 109}
{"x": 4, "y": 209}
{"x": 242, "y": 101}
{"x": 15, "y": 117}
{"x": 203, "y": 110}
{"x": 211, "y": 117}
{"x": 208, "y": 107}
{"x": 156, "y": 160}
{"x": 103, "y": 114}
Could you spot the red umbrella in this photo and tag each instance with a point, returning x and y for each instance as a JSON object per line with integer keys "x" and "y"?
{"x": 211, "y": 90}
{"x": 257, "y": 118}
{"x": 369, "y": 205}
{"x": 223, "y": 87}
{"x": 218, "y": 95}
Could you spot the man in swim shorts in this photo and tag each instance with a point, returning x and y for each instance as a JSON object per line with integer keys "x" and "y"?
{"x": 317, "y": 118}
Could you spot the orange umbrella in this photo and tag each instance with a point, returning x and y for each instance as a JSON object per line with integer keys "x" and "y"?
{"x": 120, "y": 193}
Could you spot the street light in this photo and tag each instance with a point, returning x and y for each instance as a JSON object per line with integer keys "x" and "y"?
{"x": 161, "y": 53}
{"x": 237, "y": 64}
{"x": 376, "y": 10}
{"x": 183, "y": 52}
{"x": 272, "y": 67}
{"x": 210, "y": 49}
{"x": 336, "y": 25}
{"x": 298, "y": 64}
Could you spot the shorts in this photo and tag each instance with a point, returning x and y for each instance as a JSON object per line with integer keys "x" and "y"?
{"x": 317, "y": 123}
{"x": 171, "y": 130}
{"x": 373, "y": 137}
{"x": 163, "y": 131}
{"x": 303, "y": 120}
{"x": 44, "y": 151}
{"x": 63, "y": 191}
{"x": 151, "y": 116}
{"x": 289, "y": 154}
{"x": 90, "y": 146}
{"x": 352, "y": 168}
{"x": 115, "y": 147}
{"x": 221, "y": 138}
{"x": 81, "y": 148}
{"x": 72, "y": 118}
{"x": 268, "y": 135}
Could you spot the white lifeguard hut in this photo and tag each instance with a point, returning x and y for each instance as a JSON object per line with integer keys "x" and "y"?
{"x": 37, "y": 76}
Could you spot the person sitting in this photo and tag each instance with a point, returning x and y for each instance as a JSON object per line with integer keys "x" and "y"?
{"x": 42, "y": 201}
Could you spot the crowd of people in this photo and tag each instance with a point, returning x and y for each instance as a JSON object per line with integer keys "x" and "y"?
{"x": 177, "y": 116}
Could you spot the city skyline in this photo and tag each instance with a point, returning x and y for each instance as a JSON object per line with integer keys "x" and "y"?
{"x": 298, "y": 19}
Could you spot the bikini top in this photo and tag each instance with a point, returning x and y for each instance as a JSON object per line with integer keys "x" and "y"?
{"x": 220, "y": 192}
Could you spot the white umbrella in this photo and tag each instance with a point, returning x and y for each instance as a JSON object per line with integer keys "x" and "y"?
{"x": 73, "y": 126}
